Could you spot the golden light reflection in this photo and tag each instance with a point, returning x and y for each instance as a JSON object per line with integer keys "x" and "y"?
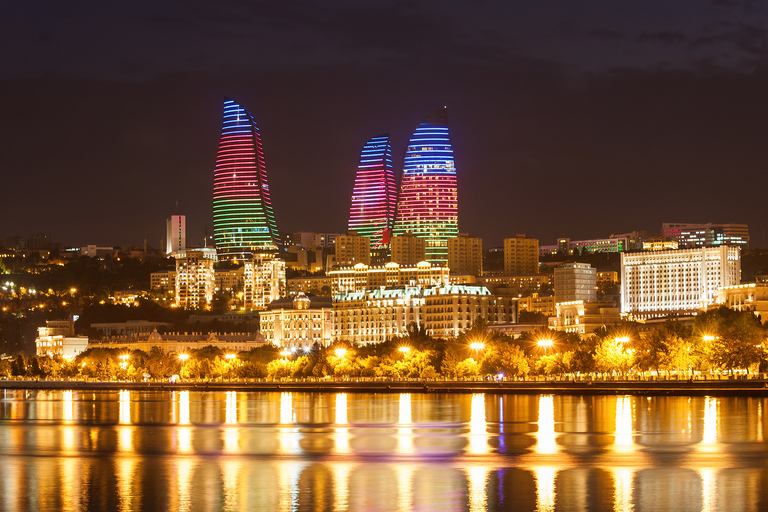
{"x": 183, "y": 494}
{"x": 623, "y": 435}
{"x": 477, "y": 477}
{"x": 404, "y": 474}
{"x": 341, "y": 436}
{"x": 288, "y": 475}
{"x": 229, "y": 474}
{"x": 184, "y": 435}
{"x": 404, "y": 431}
{"x": 545, "y": 488}
{"x": 709, "y": 436}
{"x": 286, "y": 408}
{"x": 68, "y": 413}
{"x": 341, "y": 474}
{"x": 125, "y": 473}
{"x": 708, "y": 489}
{"x": 478, "y": 435}
{"x": 231, "y": 409}
{"x": 546, "y": 438}
{"x": 622, "y": 484}
{"x": 71, "y": 478}
{"x": 125, "y": 407}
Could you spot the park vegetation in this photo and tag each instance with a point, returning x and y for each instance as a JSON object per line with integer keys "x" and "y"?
{"x": 719, "y": 341}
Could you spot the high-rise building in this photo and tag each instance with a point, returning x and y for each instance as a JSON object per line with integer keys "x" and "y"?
{"x": 575, "y": 281}
{"x": 352, "y": 249}
{"x": 465, "y": 255}
{"x": 661, "y": 283}
{"x": 243, "y": 220}
{"x": 263, "y": 281}
{"x": 374, "y": 198}
{"x": 408, "y": 250}
{"x": 175, "y": 234}
{"x": 195, "y": 282}
{"x": 428, "y": 201}
{"x": 521, "y": 255}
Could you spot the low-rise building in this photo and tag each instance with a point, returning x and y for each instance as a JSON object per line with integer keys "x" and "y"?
{"x": 57, "y": 339}
{"x": 584, "y": 317}
{"x": 128, "y": 328}
{"x": 745, "y": 297}
{"x": 537, "y": 303}
{"x": 298, "y": 322}
{"x": 176, "y": 343}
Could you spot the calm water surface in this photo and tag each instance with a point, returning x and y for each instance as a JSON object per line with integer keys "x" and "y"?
{"x": 187, "y": 450}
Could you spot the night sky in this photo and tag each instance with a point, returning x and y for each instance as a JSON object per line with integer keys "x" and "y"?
{"x": 575, "y": 119}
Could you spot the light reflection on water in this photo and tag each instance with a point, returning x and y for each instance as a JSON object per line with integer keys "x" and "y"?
{"x": 195, "y": 450}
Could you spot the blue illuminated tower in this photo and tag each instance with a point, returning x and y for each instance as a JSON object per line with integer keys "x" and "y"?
{"x": 428, "y": 203}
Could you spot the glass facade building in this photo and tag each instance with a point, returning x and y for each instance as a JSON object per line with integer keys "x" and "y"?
{"x": 374, "y": 198}
{"x": 428, "y": 202}
{"x": 243, "y": 220}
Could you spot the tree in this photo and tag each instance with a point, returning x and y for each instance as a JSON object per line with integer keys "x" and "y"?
{"x": 666, "y": 348}
{"x": 612, "y": 356}
{"x": 738, "y": 338}
{"x": 503, "y": 357}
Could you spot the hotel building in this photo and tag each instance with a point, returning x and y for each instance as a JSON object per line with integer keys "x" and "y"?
{"x": 298, "y": 322}
{"x": 362, "y": 277}
{"x": 661, "y": 283}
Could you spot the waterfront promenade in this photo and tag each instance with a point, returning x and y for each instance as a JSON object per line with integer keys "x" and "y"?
{"x": 741, "y": 386}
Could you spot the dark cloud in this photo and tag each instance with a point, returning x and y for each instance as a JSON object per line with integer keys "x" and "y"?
{"x": 663, "y": 37}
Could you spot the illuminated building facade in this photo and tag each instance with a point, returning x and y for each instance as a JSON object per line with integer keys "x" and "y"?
{"x": 568, "y": 246}
{"x": 374, "y": 198}
{"x": 195, "y": 282}
{"x": 660, "y": 283}
{"x": 408, "y": 250}
{"x": 745, "y": 297}
{"x": 376, "y": 315}
{"x": 263, "y": 281}
{"x": 465, "y": 255}
{"x": 575, "y": 281}
{"x": 352, "y": 249}
{"x": 584, "y": 317}
{"x": 298, "y": 322}
{"x": 175, "y": 234}
{"x": 58, "y": 338}
{"x": 521, "y": 255}
{"x": 706, "y": 235}
{"x": 428, "y": 201}
{"x": 243, "y": 220}
{"x": 362, "y": 277}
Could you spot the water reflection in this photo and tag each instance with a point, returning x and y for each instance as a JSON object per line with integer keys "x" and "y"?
{"x": 140, "y": 450}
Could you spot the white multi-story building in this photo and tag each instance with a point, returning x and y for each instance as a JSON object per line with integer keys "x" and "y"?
{"x": 444, "y": 311}
{"x": 298, "y": 322}
{"x": 195, "y": 281}
{"x": 575, "y": 281}
{"x": 709, "y": 234}
{"x": 362, "y": 277}
{"x": 58, "y": 338}
{"x": 175, "y": 234}
{"x": 263, "y": 281}
{"x": 660, "y": 283}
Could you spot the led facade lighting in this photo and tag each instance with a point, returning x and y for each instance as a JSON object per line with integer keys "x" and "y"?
{"x": 374, "y": 198}
{"x": 243, "y": 220}
{"x": 428, "y": 202}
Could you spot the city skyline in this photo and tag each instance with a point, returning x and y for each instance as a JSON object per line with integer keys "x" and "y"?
{"x": 567, "y": 120}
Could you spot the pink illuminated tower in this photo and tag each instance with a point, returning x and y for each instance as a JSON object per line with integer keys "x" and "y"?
{"x": 374, "y": 197}
{"x": 428, "y": 202}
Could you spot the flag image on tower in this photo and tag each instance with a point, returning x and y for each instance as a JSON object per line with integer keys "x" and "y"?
{"x": 243, "y": 220}
{"x": 374, "y": 197}
{"x": 427, "y": 205}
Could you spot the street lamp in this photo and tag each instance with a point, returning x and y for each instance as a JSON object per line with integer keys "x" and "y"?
{"x": 623, "y": 339}
{"x": 340, "y": 352}
{"x": 404, "y": 350}
{"x": 477, "y": 345}
{"x": 183, "y": 357}
{"x": 708, "y": 337}
{"x": 231, "y": 356}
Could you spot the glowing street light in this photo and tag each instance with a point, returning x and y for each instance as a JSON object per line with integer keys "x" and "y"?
{"x": 183, "y": 357}
{"x": 404, "y": 350}
{"x": 545, "y": 343}
{"x": 340, "y": 352}
{"x": 623, "y": 339}
{"x": 477, "y": 345}
{"x": 285, "y": 353}
{"x": 708, "y": 337}
{"x": 231, "y": 356}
